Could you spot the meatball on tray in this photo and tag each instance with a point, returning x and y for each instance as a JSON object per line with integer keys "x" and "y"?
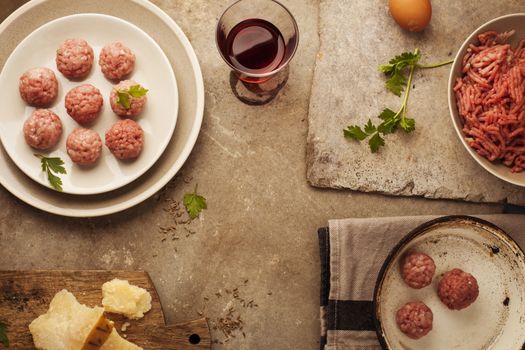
{"x": 83, "y": 98}
{"x": 474, "y": 288}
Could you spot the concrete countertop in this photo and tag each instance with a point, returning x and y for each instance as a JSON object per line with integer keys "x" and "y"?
{"x": 259, "y": 232}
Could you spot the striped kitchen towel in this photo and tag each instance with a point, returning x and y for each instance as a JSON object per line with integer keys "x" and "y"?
{"x": 352, "y": 252}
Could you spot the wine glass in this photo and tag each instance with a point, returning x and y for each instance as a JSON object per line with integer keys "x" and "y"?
{"x": 257, "y": 39}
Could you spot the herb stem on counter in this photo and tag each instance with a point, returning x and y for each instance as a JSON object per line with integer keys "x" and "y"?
{"x": 396, "y": 83}
{"x": 407, "y": 90}
{"x": 436, "y": 65}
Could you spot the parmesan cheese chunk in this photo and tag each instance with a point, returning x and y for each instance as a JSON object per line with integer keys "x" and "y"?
{"x": 69, "y": 325}
{"x": 66, "y": 324}
{"x": 123, "y": 298}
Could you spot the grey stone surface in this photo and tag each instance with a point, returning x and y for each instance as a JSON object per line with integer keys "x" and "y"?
{"x": 357, "y": 36}
{"x": 262, "y": 218}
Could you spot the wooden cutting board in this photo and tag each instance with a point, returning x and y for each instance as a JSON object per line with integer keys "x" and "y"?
{"x": 24, "y": 295}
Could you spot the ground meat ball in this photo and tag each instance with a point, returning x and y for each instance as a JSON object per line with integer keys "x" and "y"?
{"x": 38, "y": 87}
{"x": 84, "y": 103}
{"x": 42, "y": 130}
{"x": 84, "y": 146}
{"x": 125, "y": 139}
{"x": 458, "y": 289}
{"x": 417, "y": 270}
{"x": 116, "y": 61}
{"x": 415, "y": 319}
{"x": 74, "y": 58}
{"x": 137, "y": 104}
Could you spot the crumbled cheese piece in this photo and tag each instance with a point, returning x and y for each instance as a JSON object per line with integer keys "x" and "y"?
{"x": 69, "y": 325}
{"x": 123, "y": 298}
{"x": 115, "y": 342}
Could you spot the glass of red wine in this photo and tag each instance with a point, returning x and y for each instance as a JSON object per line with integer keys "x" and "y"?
{"x": 257, "y": 39}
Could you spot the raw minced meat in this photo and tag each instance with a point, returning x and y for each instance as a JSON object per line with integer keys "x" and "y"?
{"x": 83, "y": 103}
{"x": 38, "y": 87}
{"x": 418, "y": 270}
{"x": 136, "y": 104}
{"x": 116, "y": 61}
{"x": 74, "y": 58}
{"x": 84, "y": 146}
{"x": 125, "y": 139}
{"x": 42, "y": 130}
{"x": 414, "y": 319}
{"x": 458, "y": 289}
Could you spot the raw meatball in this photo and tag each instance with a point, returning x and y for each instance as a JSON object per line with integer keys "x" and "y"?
{"x": 38, "y": 87}
{"x": 136, "y": 104}
{"x": 75, "y": 58}
{"x": 84, "y": 146}
{"x": 415, "y": 319}
{"x": 417, "y": 270}
{"x": 42, "y": 130}
{"x": 125, "y": 139}
{"x": 458, "y": 289}
{"x": 116, "y": 61}
{"x": 84, "y": 103}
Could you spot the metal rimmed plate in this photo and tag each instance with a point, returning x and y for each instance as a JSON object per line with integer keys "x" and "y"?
{"x": 494, "y": 321}
{"x": 181, "y": 55}
{"x": 152, "y": 70}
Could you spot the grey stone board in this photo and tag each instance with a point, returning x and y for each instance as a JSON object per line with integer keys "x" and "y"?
{"x": 357, "y": 36}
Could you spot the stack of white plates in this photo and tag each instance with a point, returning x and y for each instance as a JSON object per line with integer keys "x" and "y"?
{"x": 171, "y": 120}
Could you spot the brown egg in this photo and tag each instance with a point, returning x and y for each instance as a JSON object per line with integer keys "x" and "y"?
{"x": 412, "y": 15}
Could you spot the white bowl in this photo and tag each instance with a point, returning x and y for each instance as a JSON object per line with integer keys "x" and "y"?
{"x": 515, "y": 22}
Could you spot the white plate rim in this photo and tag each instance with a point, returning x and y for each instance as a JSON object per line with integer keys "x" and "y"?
{"x": 192, "y": 138}
{"x": 161, "y": 147}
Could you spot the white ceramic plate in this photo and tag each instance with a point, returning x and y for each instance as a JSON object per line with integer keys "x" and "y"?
{"x": 152, "y": 70}
{"x": 494, "y": 321}
{"x": 501, "y": 24}
{"x": 184, "y": 62}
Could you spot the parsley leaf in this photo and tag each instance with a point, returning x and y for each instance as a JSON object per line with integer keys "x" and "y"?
{"x": 375, "y": 142}
{"x": 52, "y": 165}
{"x": 370, "y": 128}
{"x": 194, "y": 203}
{"x": 387, "y": 114}
{"x": 396, "y": 83}
{"x": 137, "y": 91}
{"x": 3, "y": 335}
{"x": 394, "y": 69}
{"x": 123, "y": 99}
{"x": 407, "y": 124}
{"x": 390, "y": 121}
{"x": 123, "y": 96}
{"x": 355, "y": 132}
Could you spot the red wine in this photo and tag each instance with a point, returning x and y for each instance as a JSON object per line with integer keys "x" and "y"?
{"x": 255, "y": 46}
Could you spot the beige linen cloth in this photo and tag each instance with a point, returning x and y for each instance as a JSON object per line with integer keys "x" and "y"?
{"x": 352, "y": 252}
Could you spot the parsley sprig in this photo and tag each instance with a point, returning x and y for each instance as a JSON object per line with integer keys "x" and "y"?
{"x": 194, "y": 203}
{"x": 124, "y": 95}
{"x": 397, "y": 82}
{"x": 52, "y": 166}
{"x": 3, "y": 335}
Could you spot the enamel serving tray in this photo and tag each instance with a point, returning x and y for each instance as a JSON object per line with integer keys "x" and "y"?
{"x": 496, "y": 319}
